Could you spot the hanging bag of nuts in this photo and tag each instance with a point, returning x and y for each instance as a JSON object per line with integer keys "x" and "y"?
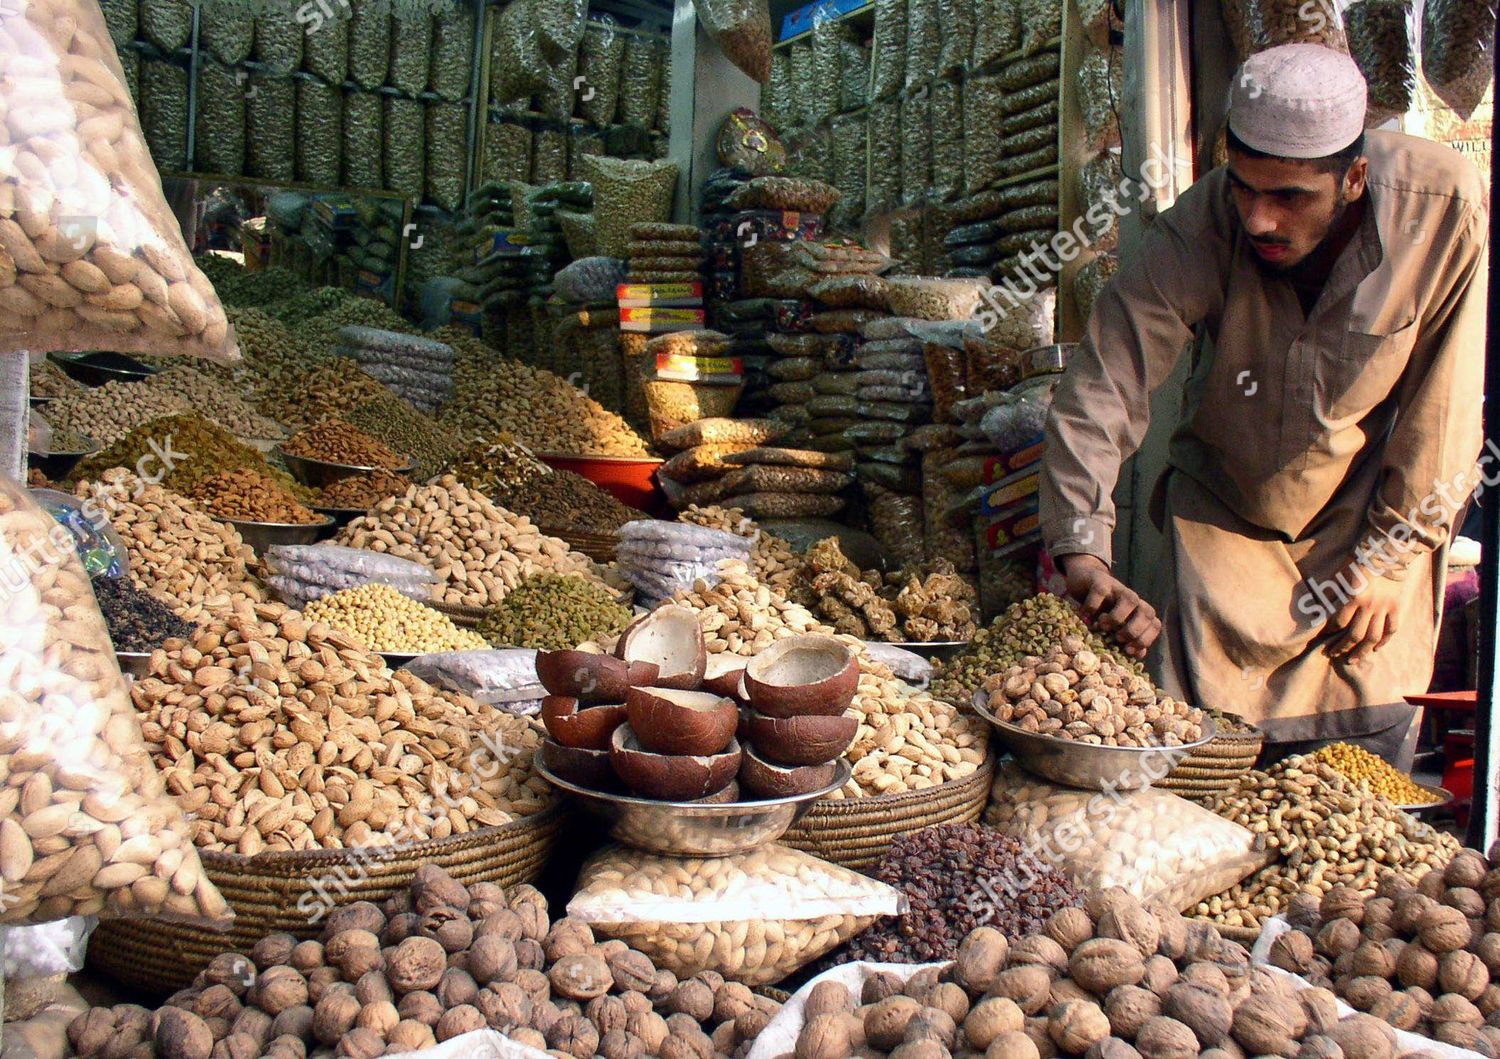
{"x": 90, "y": 830}
{"x": 752, "y": 917}
{"x": 1456, "y": 59}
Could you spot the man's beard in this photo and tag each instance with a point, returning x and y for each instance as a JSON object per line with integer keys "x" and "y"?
{"x": 1283, "y": 268}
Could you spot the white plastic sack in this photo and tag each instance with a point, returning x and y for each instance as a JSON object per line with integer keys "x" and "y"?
{"x": 47, "y": 949}
{"x": 906, "y": 665}
{"x": 505, "y": 678}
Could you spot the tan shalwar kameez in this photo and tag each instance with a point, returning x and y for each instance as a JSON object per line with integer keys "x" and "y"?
{"x": 1301, "y": 437}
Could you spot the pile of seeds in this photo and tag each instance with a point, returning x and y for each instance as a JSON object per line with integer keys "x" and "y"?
{"x": 1029, "y": 627}
{"x": 330, "y": 749}
{"x": 195, "y": 447}
{"x": 498, "y": 464}
{"x": 957, "y": 877}
{"x": 249, "y": 496}
{"x": 385, "y": 620}
{"x": 48, "y": 380}
{"x": 1379, "y": 775}
{"x": 567, "y": 501}
{"x": 550, "y": 612}
{"x": 404, "y": 429}
{"x": 479, "y": 550}
{"x": 217, "y": 401}
{"x": 363, "y": 491}
{"x": 178, "y": 551}
{"x": 109, "y": 412}
{"x": 336, "y": 441}
{"x": 1327, "y": 830}
{"x": 137, "y": 620}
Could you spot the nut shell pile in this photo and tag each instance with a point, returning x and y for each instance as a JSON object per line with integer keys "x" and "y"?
{"x": 1072, "y": 693}
{"x": 431, "y": 964}
{"x": 1420, "y": 957}
{"x": 335, "y": 441}
{"x": 277, "y": 733}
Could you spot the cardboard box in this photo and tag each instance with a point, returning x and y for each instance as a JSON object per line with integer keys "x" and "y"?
{"x": 660, "y": 320}
{"x": 1011, "y": 490}
{"x": 1005, "y": 464}
{"x": 801, "y": 20}
{"x": 684, "y": 368}
{"x": 649, "y": 295}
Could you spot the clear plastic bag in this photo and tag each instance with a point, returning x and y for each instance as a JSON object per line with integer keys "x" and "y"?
{"x": 559, "y": 27}
{"x": 226, "y": 29}
{"x": 956, "y": 19}
{"x": 447, "y": 127}
{"x": 301, "y": 573}
{"x": 778, "y": 104}
{"x": 505, "y": 678}
{"x": 325, "y": 53}
{"x": 924, "y": 42}
{"x": 947, "y": 537}
{"x": 742, "y": 28}
{"x": 89, "y": 219}
{"x": 411, "y": 50}
{"x": 805, "y": 107}
{"x": 849, "y": 167}
{"x": 94, "y": 802}
{"x": 794, "y": 369}
{"x": 640, "y": 81}
{"x": 1255, "y": 25}
{"x": 599, "y": 62}
{"x": 164, "y": 112}
{"x": 764, "y": 478}
{"x": 369, "y": 43}
{"x": 883, "y": 191}
{"x": 896, "y": 521}
{"x": 852, "y": 291}
{"x": 752, "y": 917}
{"x": 1041, "y": 23}
{"x": 1091, "y": 280}
{"x": 1032, "y": 322}
{"x": 723, "y": 430}
{"x": 1020, "y": 416}
{"x": 507, "y": 152}
{"x": 997, "y": 31}
{"x": 789, "y": 505}
{"x": 168, "y": 24}
{"x": 364, "y": 131}
{"x": 589, "y": 279}
{"x": 518, "y": 69}
{"x": 279, "y": 38}
{"x": 220, "y": 139}
{"x": 1456, "y": 60}
{"x": 1154, "y": 845}
{"x": 625, "y": 193}
{"x": 948, "y": 159}
{"x": 827, "y": 74}
{"x": 854, "y": 72}
{"x": 124, "y": 20}
{"x": 452, "y": 51}
{"x": 700, "y": 463}
{"x": 271, "y": 128}
{"x": 320, "y": 132}
{"x": 405, "y": 151}
{"x": 1101, "y": 94}
{"x": 1382, "y": 41}
{"x": 916, "y": 144}
{"x": 890, "y": 48}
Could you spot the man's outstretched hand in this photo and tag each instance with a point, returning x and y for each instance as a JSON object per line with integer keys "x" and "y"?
{"x": 1110, "y": 604}
{"x": 1368, "y": 620}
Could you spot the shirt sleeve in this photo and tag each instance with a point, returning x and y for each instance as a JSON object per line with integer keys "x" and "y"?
{"x": 1428, "y": 469}
{"x": 1140, "y": 324}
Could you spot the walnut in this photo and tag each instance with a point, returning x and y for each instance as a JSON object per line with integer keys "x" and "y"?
{"x": 1417, "y": 966}
{"x": 1443, "y": 929}
{"x": 1266, "y": 1025}
{"x": 992, "y": 1017}
{"x": 619, "y": 1044}
{"x": 380, "y": 1017}
{"x": 334, "y": 1016}
{"x": 336, "y": 948}
{"x": 253, "y": 1024}
{"x": 1489, "y": 1000}
{"x": 1038, "y": 949}
{"x": 1463, "y": 973}
{"x": 529, "y": 955}
{"x": 574, "y": 1035}
{"x": 1160, "y": 974}
{"x": 1129, "y": 1007}
{"x": 217, "y": 1001}
{"x": 631, "y": 970}
{"x": 1292, "y": 951}
{"x": 884, "y": 984}
{"x": 492, "y": 958}
{"x": 411, "y": 1036}
{"x": 320, "y": 980}
{"x": 1363, "y": 1037}
{"x": 1127, "y": 921}
{"x": 1029, "y": 986}
{"x": 1204, "y": 1011}
{"x": 180, "y": 1034}
{"x": 950, "y": 999}
{"x": 273, "y": 950}
{"x": 932, "y": 1024}
{"x": 372, "y": 988}
{"x": 1458, "y": 1034}
{"x": 360, "y": 1043}
{"x": 1336, "y": 938}
{"x": 886, "y": 1021}
{"x": 1013, "y": 1045}
{"x": 1303, "y": 913}
{"x": 1320, "y": 1047}
{"x": 1365, "y": 992}
{"x": 1320, "y": 1009}
{"x": 1078, "y": 1024}
{"x": 420, "y": 1006}
{"x": 1174, "y": 933}
{"x": 1343, "y": 902}
{"x": 1470, "y": 902}
{"x": 923, "y": 1049}
{"x": 1070, "y": 928}
{"x": 466, "y": 1019}
{"x": 294, "y": 1021}
{"x": 1038, "y": 1029}
{"x": 1104, "y": 963}
{"x": 231, "y": 970}
{"x": 1065, "y": 989}
{"x": 650, "y": 1028}
{"x": 823, "y": 1037}
{"x": 507, "y": 924}
{"x": 1399, "y": 1010}
{"x": 568, "y": 937}
{"x": 1453, "y": 1008}
{"x": 235, "y": 1046}
{"x": 433, "y": 888}
{"x": 1467, "y": 868}
{"x": 1111, "y": 1048}
{"x": 277, "y": 989}
{"x": 1166, "y": 1038}
{"x": 692, "y": 998}
{"x": 531, "y": 1038}
{"x": 981, "y": 957}
{"x": 1373, "y": 958}
{"x": 1410, "y": 907}
{"x": 416, "y": 964}
{"x": 91, "y": 1031}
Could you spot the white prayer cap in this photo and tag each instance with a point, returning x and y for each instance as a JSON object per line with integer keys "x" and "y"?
{"x": 1298, "y": 101}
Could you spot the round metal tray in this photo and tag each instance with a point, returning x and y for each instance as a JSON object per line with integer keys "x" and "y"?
{"x": 318, "y": 473}
{"x": 397, "y": 659}
{"x": 134, "y": 663}
{"x": 1085, "y": 765}
{"x": 693, "y": 829}
{"x": 263, "y": 535}
{"x": 341, "y": 516}
{"x": 1443, "y": 796}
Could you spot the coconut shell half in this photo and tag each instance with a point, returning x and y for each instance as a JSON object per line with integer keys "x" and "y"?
{"x": 724, "y": 675}
{"x": 670, "y": 777}
{"x": 766, "y": 779}
{"x": 671, "y": 639}
{"x": 590, "y": 678}
{"x": 668, "y": 721}
{"x": 807, "y": 740}
{"x": 809, "y": 674}
{"x": 586, "y": 768}
{"x": 571, "y": 723}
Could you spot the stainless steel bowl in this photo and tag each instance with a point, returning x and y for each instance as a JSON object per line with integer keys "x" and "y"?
{"x": 341, "y": 516}
{"x": 397, "y": 659}
{"x": 318, "y": 473}
{"x": 263, "y": 535}
{"x": 96, "y": 369}
{"x": 942, "y": 650}
{"x": 1099, "y": 768}
{"x": 134, "y": 663}
{"x": 58, "y": 465}
{"x": 692, "y": 829}
{"x": 1442, "y": 796}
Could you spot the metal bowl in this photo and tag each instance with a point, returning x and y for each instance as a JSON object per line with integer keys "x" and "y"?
{"x": 1442, "y": 795}
{"x": 263, "y": 535}
{"x": 342, "y": 516}
{"x": 41, "y": 402}
{"x": 693, "y": 829}
{"x": 1098, "y": 768}
{"x": 941, "y": 650}
{"x": 96, "y": 369}
{"x": 58, "y": 465}
{"x": 396, "y": 659}
{"x": 318, "y": 473}
{"x": 134, "y": 663}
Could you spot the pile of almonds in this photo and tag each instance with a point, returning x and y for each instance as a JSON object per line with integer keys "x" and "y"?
{"x": 741, "y": 615}
{"x": 1423, "y": 958}
{"x": 335, "y": 441}
{"x": 434, "y": 963}
{"x": 250, "y": 496}
{"x": 276, "y": 733}
{"x": 196, "y": 564}
{"x": 479, "y": 550}
{"x": 1110, "y": 980}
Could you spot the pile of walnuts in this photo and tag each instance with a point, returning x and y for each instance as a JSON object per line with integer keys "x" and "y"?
{"x": 1419, "y": 957}
{"x": 1075, "y": 693}
{"x": 435, "y": 962}
{"x": 1110, "y": 980}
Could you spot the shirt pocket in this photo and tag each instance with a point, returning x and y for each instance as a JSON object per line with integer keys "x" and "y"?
{"x": 1363, "y": 371}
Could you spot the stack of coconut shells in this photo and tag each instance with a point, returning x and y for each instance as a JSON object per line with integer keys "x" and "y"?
{"x": 662, "y": 719}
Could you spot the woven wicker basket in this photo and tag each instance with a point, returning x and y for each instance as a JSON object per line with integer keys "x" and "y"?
{"x": 1215, "y": 766}
{"x": 856, "y": 832}
{"x": 265, "y": 891}
{"x": 462, "y": 616}
{"x": 599, "y": 547}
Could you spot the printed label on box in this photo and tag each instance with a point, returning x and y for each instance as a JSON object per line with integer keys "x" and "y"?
{"x": 685, "y": 368}
{"x": 1009, "y": 491}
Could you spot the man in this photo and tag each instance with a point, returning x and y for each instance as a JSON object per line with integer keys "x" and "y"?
{"x": 1336, "y": 283}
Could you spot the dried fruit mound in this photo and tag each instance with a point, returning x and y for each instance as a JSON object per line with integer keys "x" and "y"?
{"x": 550, "y": 613}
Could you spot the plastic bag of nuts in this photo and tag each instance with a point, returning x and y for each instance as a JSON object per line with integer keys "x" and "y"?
{"x": 1153, "y": 844}
{"x": 753, "y": 917}
{"x": 89, "y": 828}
